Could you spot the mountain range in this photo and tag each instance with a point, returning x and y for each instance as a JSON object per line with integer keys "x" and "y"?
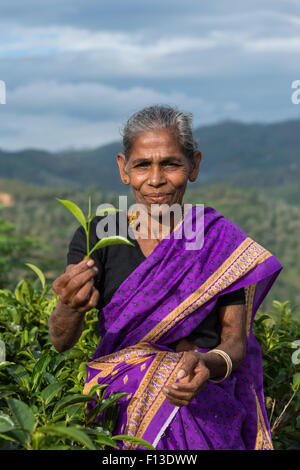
{"x": 256, "y": 155}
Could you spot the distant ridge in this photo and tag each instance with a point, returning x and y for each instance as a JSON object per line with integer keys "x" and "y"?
{"x": 248, "y": 154}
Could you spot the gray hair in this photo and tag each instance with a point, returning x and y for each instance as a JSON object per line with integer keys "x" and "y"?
{"x": 160, "y": 117}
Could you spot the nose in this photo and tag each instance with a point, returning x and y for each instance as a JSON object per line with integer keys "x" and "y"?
{"x": 156, "y": 176}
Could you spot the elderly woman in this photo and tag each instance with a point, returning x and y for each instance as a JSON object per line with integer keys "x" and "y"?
{"x": 175, "y": 323}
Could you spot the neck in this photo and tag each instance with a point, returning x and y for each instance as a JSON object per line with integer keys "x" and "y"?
{"x": 155, "y": 226}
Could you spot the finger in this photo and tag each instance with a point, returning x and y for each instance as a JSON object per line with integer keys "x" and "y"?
{"x": 94, "y": 298}
{"x": 82, "y": 266}
{"x": 178, "y": 402}
{"x": 70, "y": 271}
{"x": 83, "y": 295}
{"x": 76, "y": 282}
{"x": 190, "y": 360}
{"x": 93, "y": 301}
{"x": 177, "y": 394}
{"x": 196, "y": 384}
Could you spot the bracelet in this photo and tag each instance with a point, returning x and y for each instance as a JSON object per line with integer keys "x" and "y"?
{"x": 228, "y": 364}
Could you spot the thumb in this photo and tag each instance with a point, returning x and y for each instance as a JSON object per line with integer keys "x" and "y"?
{"x": 190, "y": 361}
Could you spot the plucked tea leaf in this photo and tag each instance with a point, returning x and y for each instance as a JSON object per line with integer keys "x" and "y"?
{"x": 111, "y": 241}
{"x": 108, "y": 210}
{"x": 75, "y": 210}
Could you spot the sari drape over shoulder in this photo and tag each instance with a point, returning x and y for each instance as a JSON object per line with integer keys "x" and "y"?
{"x": 163, "y": 300}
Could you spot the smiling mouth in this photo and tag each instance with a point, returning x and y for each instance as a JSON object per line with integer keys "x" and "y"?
{"x": 159, "y": 196}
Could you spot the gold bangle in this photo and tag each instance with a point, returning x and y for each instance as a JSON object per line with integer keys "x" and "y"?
{"x": 228, "y": 364}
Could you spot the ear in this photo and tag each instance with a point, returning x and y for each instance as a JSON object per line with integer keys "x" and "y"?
{"x": 121, "y": 160}
{"x": 194, "y": 170}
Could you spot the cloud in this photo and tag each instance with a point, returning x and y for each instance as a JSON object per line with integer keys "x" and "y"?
{"x": 57, "y": 115}
{"x": 92, "y": 100}
{"x": 222, "y": 44}
{"x": 75, "y": 70}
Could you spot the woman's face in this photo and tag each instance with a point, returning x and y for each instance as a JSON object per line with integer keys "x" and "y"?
{"x": 157, "y": 169}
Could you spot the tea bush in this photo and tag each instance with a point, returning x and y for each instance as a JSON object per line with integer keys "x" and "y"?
{"x": 41, "y": 400}
{"x": 278, "y": 332}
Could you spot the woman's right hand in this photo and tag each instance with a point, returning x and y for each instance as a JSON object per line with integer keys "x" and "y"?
{"x": 75, "y": 287}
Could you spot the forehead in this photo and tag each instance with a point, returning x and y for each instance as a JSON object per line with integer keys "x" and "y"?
{"x": 156, "y": 142}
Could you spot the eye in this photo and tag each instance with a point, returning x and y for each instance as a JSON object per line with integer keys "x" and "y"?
{"x": 143, "y": 164}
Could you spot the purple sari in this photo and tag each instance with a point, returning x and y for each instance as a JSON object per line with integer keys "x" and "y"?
{"x": 163, "y": 300}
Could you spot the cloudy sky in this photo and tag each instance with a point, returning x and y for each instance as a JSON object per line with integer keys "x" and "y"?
{"x": 74, "y": 70}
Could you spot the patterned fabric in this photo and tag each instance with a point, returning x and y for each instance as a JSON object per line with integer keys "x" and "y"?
{"x": 162, "y": 301}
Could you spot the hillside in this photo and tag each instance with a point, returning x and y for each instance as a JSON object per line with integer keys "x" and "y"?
{"x": 260, "y": 155}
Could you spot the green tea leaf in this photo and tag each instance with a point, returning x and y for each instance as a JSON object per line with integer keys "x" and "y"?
{"x": 50, "y": 378}
{"x": 296, "y": 380}
{"x": 22, "y": 414}
{"x": 75, "y": 412}
{"x": 108, "y": 210}
{"x": 111, "y": 416}
{"x": 110, "y": 400}
{"x": 97, "y": 387}
{"x": 296, "y": 357}
{"x": 17, "y": 291}
{"x": 55, "y": 361}
{"x": 69, "y": 432}
{"x": 135, "y": 440}
{"x": 39, "y": 368}
{"x": 70, "y": 400}
{"x": 26, "y": 292}
{"x": 62, "y": 447}
{"x": 6, "y": 423}
{"x": 110, "y": 241}
{"x": 51, "y": 391}
{"x": 5, "y": 364}
{"x": 105, "y": 440}
{"x": 90, "y": 208}
{"x": 75, "y": 210}
{"x": 20, "y": 375}
{"x": 6, "y": 437}
{"x": 39, "y": 273}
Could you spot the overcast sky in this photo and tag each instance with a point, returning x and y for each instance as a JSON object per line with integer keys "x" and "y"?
{"x": 76, "y": 69}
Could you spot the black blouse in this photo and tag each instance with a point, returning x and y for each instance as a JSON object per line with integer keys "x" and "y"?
{"x": 116, "y": 262}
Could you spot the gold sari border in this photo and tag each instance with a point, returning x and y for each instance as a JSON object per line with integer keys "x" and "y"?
{"x": 248, "y": 255}
{"x": 108, "y": 365}
{"x": 149, "y": 397}
{"x": 263, "y": 439}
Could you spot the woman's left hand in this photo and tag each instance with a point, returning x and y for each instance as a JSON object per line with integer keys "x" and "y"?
{"x": 192, "y": 376}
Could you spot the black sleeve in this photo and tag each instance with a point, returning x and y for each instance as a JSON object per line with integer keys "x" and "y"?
{"x": 237, "y": 297}
{"x": 77, "y": 247}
